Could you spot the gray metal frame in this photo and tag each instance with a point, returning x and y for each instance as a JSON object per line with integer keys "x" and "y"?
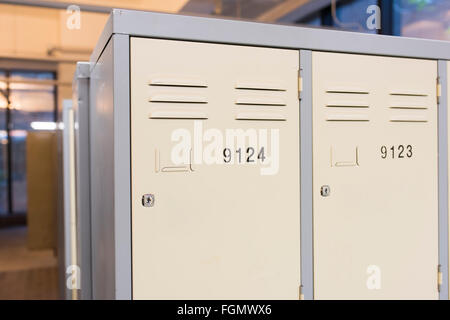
{"x": 306, "y": 178}
{"x": 110, "y": 172}
{"x": 66, "y": 217}
{"x": 124, "y": 24}
{"x": 443, "y": 178}
{"x": 122, "y": 167}
{"x": 80, "y": 87}
{"x": 206, "y": 29}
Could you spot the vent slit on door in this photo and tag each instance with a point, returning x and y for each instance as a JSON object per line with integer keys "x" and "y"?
{"x": 178, "y": 114}
{"x": 260, "y": 116}
{"x": 349, "y": 104}
{"x": 259, "y": 86}
{"x": 408, "y": 119}
{"x": 348, "y": 118}
{"x": 260, "y": 100}
{"x": 178, "y": 82}
{"x": 178, "y": 97}
{"x": 175, "y": 98}
{"x": 409, "y": 94}
{"x": 335, "y": 105}
{"x": 409, "y": 107}
{"x": 347, "y": 91}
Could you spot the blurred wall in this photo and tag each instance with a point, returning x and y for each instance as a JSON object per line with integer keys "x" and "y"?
{"x": 41, "y": 35}
{"x": 42, "y": 189}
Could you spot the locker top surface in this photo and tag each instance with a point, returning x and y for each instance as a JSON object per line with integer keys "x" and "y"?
{"x": 227, "y": 31}
{"x": 81, "y": 71}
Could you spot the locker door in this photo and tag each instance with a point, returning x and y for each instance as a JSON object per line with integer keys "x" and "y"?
{"x": 217, "y": 229}
{"x": 374, "y": 177}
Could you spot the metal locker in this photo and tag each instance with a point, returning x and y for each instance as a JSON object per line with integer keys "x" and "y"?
{"x": 375, "y": 140}
{"x": 214, "y": 229}
{"x": 80, "y": 104}
{"x": 358, "y": 207}
{"x": 75, "y": 272}
{"x": 69, "y": 215}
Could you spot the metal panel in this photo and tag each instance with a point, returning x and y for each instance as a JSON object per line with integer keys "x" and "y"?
{"x": 101, "y": 114}
{"x": 216, "y": 229}
{"x": 82, "y": 169}
{"x": 170, "y": 26}
{"x": 306, "y": 169}
{"x": 122, "y": 166}
{"x": 447, "y": 93}
{"x": 70, "y": 237}
{"x": 443, "y": 177}
{"x": 376, "y": 147}
{"x": 110, "y": 172}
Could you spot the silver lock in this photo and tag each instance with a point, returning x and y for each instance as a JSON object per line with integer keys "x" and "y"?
{"x": 148, "y": 200}
{"x": 325, "y": 191}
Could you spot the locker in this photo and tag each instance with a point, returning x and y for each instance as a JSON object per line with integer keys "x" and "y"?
{"x": 208, "y": 218}
{"x": 82, "y": 173}
{"x": 75, "y": 243}
{"x": 238, "y": 160}
{"x": 375, "y": 128}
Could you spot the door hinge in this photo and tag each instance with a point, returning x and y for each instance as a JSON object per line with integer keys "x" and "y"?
{"x": 439, "y": 275}
{"x": 438, "y": 90}
{"x": 300, "y": 293}
{"x": 300, "y": 84}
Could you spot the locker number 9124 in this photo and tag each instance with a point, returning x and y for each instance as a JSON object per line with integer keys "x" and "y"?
{"x": 397, "y": 152}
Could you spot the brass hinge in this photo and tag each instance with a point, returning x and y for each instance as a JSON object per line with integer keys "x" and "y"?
{"x": 300, "y": 293}
{"x": 438, "y": 90}
{"x": 300, "y": 84}
{"x": 439, "y": 278}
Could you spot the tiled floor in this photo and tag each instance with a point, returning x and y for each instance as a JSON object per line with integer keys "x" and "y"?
{"x": 25, "y": 274}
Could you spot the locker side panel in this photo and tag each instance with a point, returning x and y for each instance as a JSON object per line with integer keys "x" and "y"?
{"x": 82, "y": 169}
{"x": 448, "y": 121}
{"x": 110, "y": 171}
{"x": 375, "y": 177}
{"x": 102, "y": 176}
{"x": 224, "y": 221}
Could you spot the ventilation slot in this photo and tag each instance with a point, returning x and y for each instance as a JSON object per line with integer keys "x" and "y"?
{"x": 264, "y": 86}
{"x": 409, "y": 107}
{"x": 347, "y": 91}
{"x": 260, "y": 116}
{"x": 178, "y": 82}
{"x": 350, "y": 105}
{"x": 176, "y": 98}
{"x": 409, "y": 119}
{"x": 347, "y": 118}
{"x": 177, "y": 114}
{"x": 355, "y": 109}
{"x": 173, "y": 97}
{"x": 408, "y": 94}
{"x": 260, "y": 100}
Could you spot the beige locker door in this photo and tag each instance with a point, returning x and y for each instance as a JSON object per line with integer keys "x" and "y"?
{"x": 222, "y": 230}
{"x": 375, "y": 146}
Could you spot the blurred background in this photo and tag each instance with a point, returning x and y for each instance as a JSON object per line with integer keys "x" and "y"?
{"x": 38, "y": 52}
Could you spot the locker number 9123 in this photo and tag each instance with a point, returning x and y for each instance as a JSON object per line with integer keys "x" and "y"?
{"x": 397, "y": 152}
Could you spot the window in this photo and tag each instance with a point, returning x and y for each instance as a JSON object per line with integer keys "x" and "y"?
{"x": 3, "y": 147}
{"x": 422, "y": 18}
{"x": 352, "y": 15}
{"x": 32, "y": 105}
